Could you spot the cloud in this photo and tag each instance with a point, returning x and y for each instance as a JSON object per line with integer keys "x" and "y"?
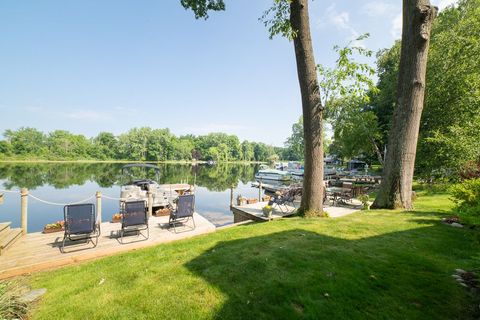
{"x": 88, "y": 115}
{"x": 216, "y": 127}
{"x": 378, "y": 9}
{"x": 341, "y": 21}
{"x": 442, "y": 4}
{"x": 124, "y": 109}
{"x": 396, "y": 29}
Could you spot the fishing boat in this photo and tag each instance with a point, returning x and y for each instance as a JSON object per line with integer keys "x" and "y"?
{"x": 135, "y": 188}
{"x": 265, "y": 173}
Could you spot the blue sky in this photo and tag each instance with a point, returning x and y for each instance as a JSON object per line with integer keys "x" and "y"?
{"x": 89, "y": 66}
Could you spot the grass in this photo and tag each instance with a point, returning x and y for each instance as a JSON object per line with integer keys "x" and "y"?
{"x": 369, "y": 265}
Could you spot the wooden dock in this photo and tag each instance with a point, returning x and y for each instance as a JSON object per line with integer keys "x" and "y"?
{"x": 254, "y": 211}
{"x": 37, "y": 251}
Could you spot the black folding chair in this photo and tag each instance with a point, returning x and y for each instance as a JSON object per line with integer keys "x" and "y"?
{"x": 134, "y": 219}
{"x": 286, "y": 198}
{"x": 184, "y": 211}
{"x": 80, "y": 224}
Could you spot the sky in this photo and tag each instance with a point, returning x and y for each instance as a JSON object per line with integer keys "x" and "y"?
{"x": 90, "y": 66}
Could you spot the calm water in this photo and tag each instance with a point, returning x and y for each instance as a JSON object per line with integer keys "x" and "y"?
{"x": 70, "y": 182}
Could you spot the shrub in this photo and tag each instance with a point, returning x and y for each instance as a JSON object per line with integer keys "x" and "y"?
{"x": 10, "y": 305}
{"x": 467, "y": 197}
{"x": 470, "y": 170}
{"x": 364, "y": 198}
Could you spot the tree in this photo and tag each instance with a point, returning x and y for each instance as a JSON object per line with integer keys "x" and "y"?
{"x": 105, "y": 146}
{"x": 356, "y": 133}
{"x": 396, "y": 187}
{"x": 26, "y": 141}
{"x": 345, "y": 89}
{"x": 452, "y": 102}
{"x": 247, "y": 151}
{"x": 291, "y": 19}
{"x": 295, "y": 143}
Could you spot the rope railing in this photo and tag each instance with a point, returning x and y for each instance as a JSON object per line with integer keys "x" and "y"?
{"x": 113, "y": 198}
{"x": 60, "y": 204}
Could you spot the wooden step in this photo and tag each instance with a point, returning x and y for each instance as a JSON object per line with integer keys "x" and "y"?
{"x": 4, "y": 226}
{"x": 9, "y": 238}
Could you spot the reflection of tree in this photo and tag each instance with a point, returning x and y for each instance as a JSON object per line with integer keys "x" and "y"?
{"x": 58, "y": 175}
{"x": 63, "y": 175}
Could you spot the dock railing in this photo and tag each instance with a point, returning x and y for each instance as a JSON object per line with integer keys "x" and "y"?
{"x": 25, "y": 194}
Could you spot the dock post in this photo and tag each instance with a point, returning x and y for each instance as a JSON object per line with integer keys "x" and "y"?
{"x": 231, "y": 197}
{"x": 24, "y": 209}
{"x": 98, "y": 195}
{"x": 150, "y": 203}
{"x": 260, "y": 191}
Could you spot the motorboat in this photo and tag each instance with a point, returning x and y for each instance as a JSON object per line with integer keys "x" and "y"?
{"x": 135, "y": 188}
{"x": 266, "y": 173}
{"x": 295, "y": 168}
{"x": 329, "y": 170}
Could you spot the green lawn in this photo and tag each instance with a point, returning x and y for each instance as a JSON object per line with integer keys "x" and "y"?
{"x": 370, "y": 265}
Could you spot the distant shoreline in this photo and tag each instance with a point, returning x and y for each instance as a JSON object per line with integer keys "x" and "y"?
{"x": 127, "y": 161}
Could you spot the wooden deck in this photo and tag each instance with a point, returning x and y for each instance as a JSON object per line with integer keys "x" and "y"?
{"x": 254, "y": 211}
{"x": 38, "y": 251}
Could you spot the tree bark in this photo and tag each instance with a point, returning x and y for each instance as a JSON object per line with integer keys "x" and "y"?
{"x": 312, "y": 197}
{"x": 396, "y": 187}
{"x": 377, "y": 151}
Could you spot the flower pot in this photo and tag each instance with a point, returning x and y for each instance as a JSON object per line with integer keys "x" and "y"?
{"x": 267, "y": 213}
{"x": 52, "y": 230}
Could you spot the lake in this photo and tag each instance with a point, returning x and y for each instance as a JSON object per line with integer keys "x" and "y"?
{"x": 71, "y": 182}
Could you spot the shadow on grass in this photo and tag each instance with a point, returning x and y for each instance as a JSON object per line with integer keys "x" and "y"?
{"x": 303, "y": 274}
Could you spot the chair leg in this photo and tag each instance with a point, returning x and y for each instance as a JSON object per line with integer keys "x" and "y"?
{"x": 62, "y": 248}
{"x": 96, "y": 241}
{"x": 194, "y": 226}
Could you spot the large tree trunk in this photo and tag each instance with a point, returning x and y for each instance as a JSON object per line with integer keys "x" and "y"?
{"x": 312, "y": 198}
{"x": 396, "y": 188}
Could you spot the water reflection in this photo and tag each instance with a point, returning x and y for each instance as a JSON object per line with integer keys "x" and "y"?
{"x": 63, "y": 175}
{"x": 67, "y": 182}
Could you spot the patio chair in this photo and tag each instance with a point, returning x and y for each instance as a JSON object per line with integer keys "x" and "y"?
{"x": 134, "y": 219}
{"x": 347, "y": 192}
{"x": 80, "y": 224}
{"x": 183, "y": 213}
{"x": 283, "y": 199}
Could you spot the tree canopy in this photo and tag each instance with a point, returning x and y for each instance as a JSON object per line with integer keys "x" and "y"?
{"x": 139, "y": 144}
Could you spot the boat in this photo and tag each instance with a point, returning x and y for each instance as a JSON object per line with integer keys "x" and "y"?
{"x": 265, "y": 173}
{"x": 329, "y": 170}
{"x": 295, "y": 168}
{"x": 134, "y": 189}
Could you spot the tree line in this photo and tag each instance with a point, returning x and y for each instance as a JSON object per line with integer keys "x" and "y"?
{"x": 138, "y": 144}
